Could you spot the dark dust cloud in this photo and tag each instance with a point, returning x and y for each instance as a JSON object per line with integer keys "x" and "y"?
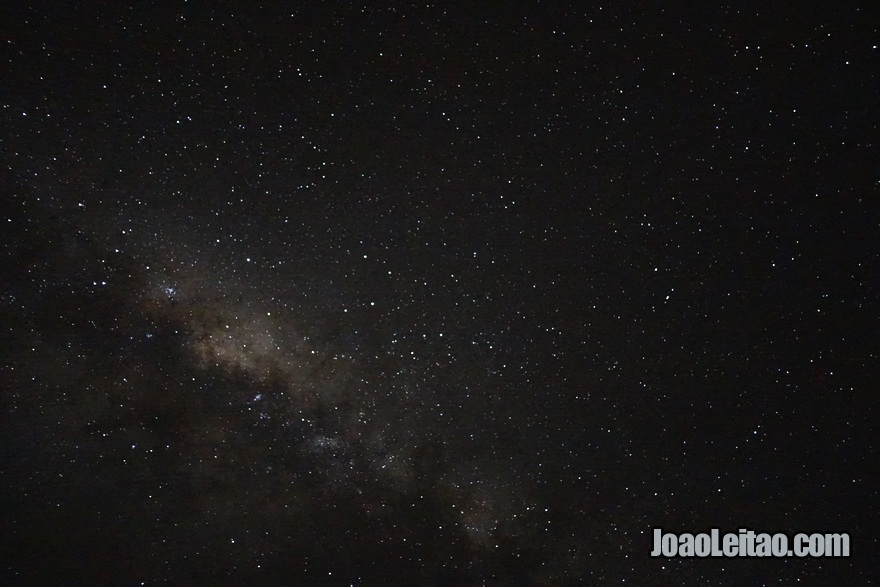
{"x": 434, "y": 294}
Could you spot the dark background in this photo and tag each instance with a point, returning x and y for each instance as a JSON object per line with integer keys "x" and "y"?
{"x": 435, "y": 295}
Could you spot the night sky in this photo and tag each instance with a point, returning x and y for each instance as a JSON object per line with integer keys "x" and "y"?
{"x": 370, "y": 294}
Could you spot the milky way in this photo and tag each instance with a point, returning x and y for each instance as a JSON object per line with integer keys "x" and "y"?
{"x": 355, "y": 432}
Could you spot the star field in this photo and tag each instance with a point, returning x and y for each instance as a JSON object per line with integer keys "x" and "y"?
{"x": 435, "y": 295}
